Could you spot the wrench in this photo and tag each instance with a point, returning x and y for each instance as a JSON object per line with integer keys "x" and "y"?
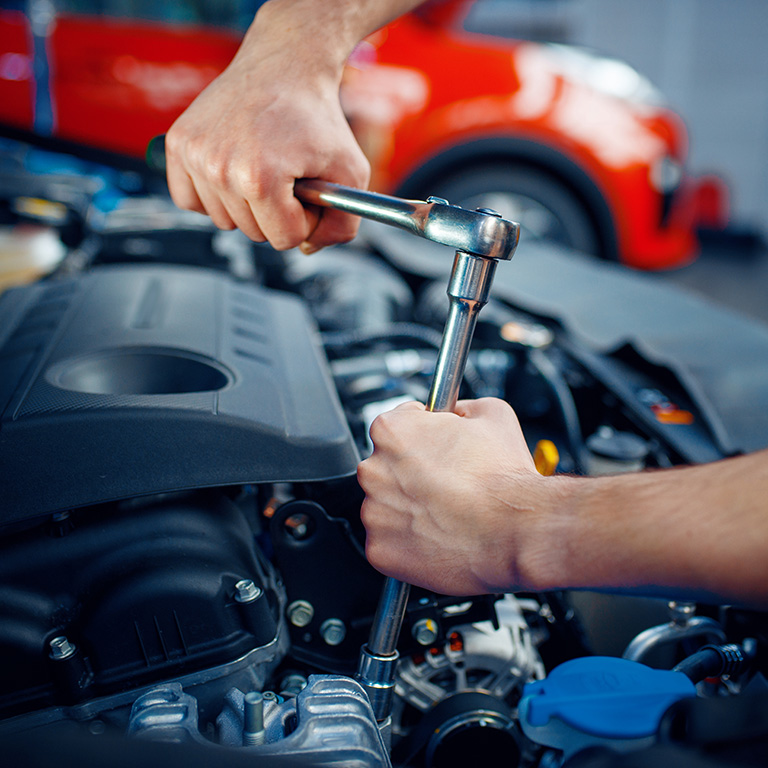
{"x": 481, "y": 239}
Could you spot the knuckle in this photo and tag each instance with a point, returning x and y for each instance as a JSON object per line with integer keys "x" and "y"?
{"x": 254, "y": 183}
{"x": 378, "y": 428}
{"x": 174, "y": 141}
{"x": 368, "y": 476}
{"x": 374, "y": 553}
{"x": 217, "y": 170}
{"x": 362, "y": 172}
{"x": 384, "y": 424}
{"x": 365, "y": 512}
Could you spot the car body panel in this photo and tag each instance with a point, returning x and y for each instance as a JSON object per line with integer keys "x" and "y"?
{"x": 419, "y": 94}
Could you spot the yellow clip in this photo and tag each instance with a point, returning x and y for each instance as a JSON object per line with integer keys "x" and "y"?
{"x": 546, "y": 457}
{"x": 38, "y": 208}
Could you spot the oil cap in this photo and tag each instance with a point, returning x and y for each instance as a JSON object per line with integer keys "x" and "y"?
{"x": 600, "y": 700}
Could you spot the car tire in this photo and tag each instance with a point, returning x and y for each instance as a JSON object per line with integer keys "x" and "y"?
{"x": 545, "y": 208}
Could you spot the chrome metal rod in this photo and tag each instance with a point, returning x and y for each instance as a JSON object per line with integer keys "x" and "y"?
{"x": 390, "y": 611}
{"x": 468, "y": 292}
{"x": 435, "y": 219}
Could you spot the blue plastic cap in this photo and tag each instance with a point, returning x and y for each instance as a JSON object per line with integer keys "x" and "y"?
{"x": 606, "y": 697}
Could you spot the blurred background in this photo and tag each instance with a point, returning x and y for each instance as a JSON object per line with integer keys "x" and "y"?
{"x": 707, "y": 57}
{"x": 103, "y": 76}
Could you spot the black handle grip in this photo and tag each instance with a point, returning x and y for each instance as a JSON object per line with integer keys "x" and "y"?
{"x": 155, "y": 154}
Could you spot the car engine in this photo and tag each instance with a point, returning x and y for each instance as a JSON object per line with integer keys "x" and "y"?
{"x": 181, "y": 555}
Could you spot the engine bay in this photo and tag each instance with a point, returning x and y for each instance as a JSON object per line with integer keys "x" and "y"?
{"x": 181, "y": 554}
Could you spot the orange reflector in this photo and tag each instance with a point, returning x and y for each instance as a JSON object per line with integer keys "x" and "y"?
{"x": 546, "y": 457}
{"x": 671, "y": 414}
{"x": 456, "y": 642}
{"x": 271, "y": 508}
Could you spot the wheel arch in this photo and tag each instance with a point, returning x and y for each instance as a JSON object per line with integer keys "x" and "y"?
{"x": 522, "y": 152}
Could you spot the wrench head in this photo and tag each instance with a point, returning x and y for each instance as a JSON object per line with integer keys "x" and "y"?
{"x": 482, "y": 233}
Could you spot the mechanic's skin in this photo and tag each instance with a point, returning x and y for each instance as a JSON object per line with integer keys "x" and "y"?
{"x": 454, "y": 504}
{"x": 274, "y": 116}
{"x": 453, "y": 501}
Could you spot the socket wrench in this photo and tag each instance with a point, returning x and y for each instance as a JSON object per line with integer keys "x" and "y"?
{"x": 481, "y": 238}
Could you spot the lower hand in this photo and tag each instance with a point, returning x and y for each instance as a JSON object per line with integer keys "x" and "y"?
{"x": 452, "y": 499}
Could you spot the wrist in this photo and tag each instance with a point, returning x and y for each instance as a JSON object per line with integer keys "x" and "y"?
{"x": 292, "y": 32}
{"x": 556, "y": 541}
{"x": 539, "y": 532}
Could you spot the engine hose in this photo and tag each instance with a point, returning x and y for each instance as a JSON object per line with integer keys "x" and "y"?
{"x": 552, "y": 376}
{"x": 410, "y": 331}
{"x": 715, "y": 661}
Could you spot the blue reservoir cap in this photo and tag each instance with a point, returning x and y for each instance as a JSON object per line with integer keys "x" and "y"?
{"x": 605, "y": 697}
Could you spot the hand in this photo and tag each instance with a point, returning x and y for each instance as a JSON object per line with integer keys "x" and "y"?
{"x": 273, "y": 116}
{"x": 452, "y": 499}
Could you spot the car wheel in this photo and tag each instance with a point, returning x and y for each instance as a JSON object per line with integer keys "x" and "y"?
{"x": 544, "y": 207}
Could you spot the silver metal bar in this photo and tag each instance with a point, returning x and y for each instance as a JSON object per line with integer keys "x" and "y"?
{"x": 389, "y": 617}
{"x": 434, "y": 219}
{"x": 468, "y": 292}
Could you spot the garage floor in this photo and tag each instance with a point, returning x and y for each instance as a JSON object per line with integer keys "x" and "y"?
{"x": 733, "y": 270}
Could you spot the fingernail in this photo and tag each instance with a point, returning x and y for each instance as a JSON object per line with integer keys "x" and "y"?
{"x": 308, "y": 248}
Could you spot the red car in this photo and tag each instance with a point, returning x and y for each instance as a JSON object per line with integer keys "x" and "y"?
{"x": 578, "y": 148}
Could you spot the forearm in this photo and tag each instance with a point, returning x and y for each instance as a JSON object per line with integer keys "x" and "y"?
{"x": 700, "y": 531}
{"x": 324, "y": 33}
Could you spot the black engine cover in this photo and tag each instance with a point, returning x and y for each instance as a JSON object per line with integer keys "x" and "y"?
{"x": 145, "y": 591}
{"x": 135, "y": 380}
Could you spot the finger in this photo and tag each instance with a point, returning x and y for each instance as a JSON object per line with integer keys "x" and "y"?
{"x": 337, "y": 226}
{"x": 280, "y": 215}
{"x": 334, "y": 227}
{"x": 182, "y": 189}
{"x": 411, "y": 405}
{"x": 240, "y": 212}
{"x": 484, "y": 407}
{"x": 213, "y": 206}
{"x": 314, "y": 215}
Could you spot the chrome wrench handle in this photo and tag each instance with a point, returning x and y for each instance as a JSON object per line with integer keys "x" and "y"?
{"x": 434, "y": 219}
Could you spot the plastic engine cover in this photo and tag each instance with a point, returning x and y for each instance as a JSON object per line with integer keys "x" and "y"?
{"x": 133, "y": 380}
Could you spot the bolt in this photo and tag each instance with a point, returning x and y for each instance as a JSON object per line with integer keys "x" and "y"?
{"x": 61, "y": 648}
{"x": 438, "y": 200}
{"x": 253, "y": 719}
{"x": 489, "y": 212}
{"x": 271, "y": 696}
{"x": 246, "y": 591}
{"x": 424, "y": 631}
{"x": 681, "y": 613}
{"x": 293, "y": 684}
{"x": 333, "y": 631}
{"x": 300, "y": 613}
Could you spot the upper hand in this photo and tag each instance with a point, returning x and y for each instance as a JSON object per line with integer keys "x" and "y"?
{"x": 270, "y": 118}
